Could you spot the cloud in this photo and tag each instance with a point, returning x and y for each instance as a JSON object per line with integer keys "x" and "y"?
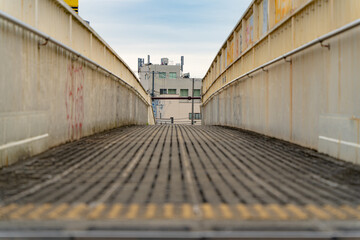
{"x": 165, "y": 28}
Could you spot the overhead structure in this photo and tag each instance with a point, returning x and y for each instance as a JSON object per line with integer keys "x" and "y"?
{"x": 74, "y": 4}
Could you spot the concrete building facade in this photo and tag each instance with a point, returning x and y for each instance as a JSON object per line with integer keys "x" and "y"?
{"x": 168, "y": 80}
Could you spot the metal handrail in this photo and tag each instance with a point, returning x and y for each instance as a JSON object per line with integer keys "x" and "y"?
{"x": 54, "y": 41}
{"x": 282, "y": 57}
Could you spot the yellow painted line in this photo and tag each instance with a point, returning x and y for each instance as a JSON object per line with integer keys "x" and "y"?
{"x": 6, "y": 209}
{"x": 187, "y": 211}
{"x": 318, "y": 212}
{"x": 225, "y": 210}
{"x": 96, "y": 212}
{"x": 335, "y": 211}
{"x": 208, "y": 211}
{"x": 133, "y": 210}
{"x": 244, "y": 211}
{"x": 351, "y": 211}
{"x": 76, "y": 211}
{"x": 279, "y": 211}
{"x": 54, "y": 214}
{"x": 37, "y": 212}
{"x": 115, "y": 210}
{"x": 169, "y": 210}
{"x": 297, "y": 211}
{"x": 17, "y": 214}
{"x": 261, "y": 210}
{"x": 150, "y": 210}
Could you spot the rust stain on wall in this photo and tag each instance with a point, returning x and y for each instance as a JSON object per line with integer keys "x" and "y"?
{"x": 230, "y": 53}
{"x": 282, "y": 9}
{"x": 74, "y": 100}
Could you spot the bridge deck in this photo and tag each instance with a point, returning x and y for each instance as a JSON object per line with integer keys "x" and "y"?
{"x": 180, "y": 178}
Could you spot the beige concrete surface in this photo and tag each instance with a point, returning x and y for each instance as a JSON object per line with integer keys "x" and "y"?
{"x": 48, "y": 95}
{"x": 311, "y": 98}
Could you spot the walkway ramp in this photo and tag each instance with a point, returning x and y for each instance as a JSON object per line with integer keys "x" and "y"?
{"x": 173, "y": 180}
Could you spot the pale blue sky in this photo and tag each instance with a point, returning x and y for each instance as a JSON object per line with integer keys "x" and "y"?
{"x": 195, "y": 29}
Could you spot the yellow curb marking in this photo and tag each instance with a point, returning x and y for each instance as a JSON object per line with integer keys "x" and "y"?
{"x": 168, "y": 210}
{"x": 187, "y": 211}
{"x": 54, "y": 214}
{"x": 6, "y": 209}
{"x": 351, "y": 211}
{"x": 261, "y": 210}
{"x": 279, "y": 211}
{"x": 37, "y": 212}
{"x": 150, "y": 210}
{"x": 21, "y": 211}
{"x": 244, "y": 211}
{"x": 133, "y": 210}
{"x": 335, "y": 211}
{"x": 225, "y": 210}
{"x": 115, "y": 210}
{"x": 318, "y": 212}
{"x": 96, "y": 212}
{"x": 76, "y": 211}
{"x": 297, "y": 211}
{"x": 208, "y": 211}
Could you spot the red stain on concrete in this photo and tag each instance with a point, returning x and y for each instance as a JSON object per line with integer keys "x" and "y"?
{"x": 74, "y": 100}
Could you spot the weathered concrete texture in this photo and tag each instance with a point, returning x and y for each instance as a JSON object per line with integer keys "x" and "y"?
{"x": 312, "y": 100}
{"x": 56, "y": 19}
{"x": 49, "y": 96}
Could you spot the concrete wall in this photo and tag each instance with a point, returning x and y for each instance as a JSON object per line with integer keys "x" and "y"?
{"x": 178, "y": 109}
{"x": 48, "y": 95}
{"x": 290, "y": 24}
{"x": 313, "y": 101}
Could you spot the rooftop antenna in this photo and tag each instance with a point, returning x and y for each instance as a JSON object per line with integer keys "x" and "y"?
{"x": 182, "y": 63}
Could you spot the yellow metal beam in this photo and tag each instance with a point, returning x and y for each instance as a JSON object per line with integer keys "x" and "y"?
{"x": 74, "y": 4}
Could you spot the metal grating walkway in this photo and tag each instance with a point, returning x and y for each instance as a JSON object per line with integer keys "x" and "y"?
{"x": 210, "y": 175}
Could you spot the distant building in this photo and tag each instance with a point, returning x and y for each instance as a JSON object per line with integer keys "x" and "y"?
{"x": 169, "y": 80}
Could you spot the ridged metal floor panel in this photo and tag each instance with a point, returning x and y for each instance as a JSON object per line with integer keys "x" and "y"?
{"x": 191, "y": 177}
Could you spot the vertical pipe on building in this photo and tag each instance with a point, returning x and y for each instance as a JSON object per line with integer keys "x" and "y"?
{"x": 153, "y": 84}
{"x": 192, "y": 103}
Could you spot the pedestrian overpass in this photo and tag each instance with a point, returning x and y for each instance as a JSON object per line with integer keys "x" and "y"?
{"x": 277, "y": 155}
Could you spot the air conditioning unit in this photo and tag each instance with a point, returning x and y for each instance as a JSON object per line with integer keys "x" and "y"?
{"x": 164, "y": 61}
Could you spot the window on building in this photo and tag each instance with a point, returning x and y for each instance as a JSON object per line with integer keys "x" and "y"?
{"x": 184, "y": 92}
{"x": 196, "y": 92}
{"x": 162, "y": 74}
{"x": 171, "y": 91}
{"x": 162, "y": 91}
{"x": 172, "y": 75}
{"x": 196, "y": 116}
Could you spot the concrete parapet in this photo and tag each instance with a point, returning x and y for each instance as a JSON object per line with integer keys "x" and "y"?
{"x": 49, "y": 95}
{"x": 311, "y": 98}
